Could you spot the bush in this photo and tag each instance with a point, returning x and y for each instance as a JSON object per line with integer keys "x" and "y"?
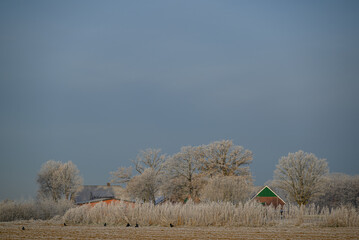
{"x": 233, "y": 189}
{"x": 42, "y": 209}
{"x": 343, "y": 216}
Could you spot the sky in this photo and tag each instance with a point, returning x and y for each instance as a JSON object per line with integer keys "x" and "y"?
{"x": 95, "y": 82}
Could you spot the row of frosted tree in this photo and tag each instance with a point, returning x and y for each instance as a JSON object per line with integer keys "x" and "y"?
{"x": 220, "y": 171}
{"x": 216, "y": 172}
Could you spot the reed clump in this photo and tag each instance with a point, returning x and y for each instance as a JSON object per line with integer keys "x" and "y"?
{"x": 249, "y": 214}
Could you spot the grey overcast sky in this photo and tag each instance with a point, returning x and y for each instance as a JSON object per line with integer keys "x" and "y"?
{"x": 94, "y": 82}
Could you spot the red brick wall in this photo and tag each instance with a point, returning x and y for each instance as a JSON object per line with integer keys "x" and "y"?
{"x": 274, "y": 201}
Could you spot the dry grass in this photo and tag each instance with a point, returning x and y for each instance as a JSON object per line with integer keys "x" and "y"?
{"x": 55, "y": 230}
{"x": 343, "y": 216}
{"x": 250, "y": 214}
{"x": 227, "y": 214}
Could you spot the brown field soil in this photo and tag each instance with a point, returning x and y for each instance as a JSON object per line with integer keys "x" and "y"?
{"x": 53, "y": 230}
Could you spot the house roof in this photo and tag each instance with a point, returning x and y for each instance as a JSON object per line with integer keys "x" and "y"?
{"x": 94, "y": 200}
{"x": 89, "y": 193}
{"x": 267, "y": 192}
{"x": 159, "y": 200}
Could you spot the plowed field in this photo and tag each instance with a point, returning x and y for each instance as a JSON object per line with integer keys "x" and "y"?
{"x": 51, "y": 230}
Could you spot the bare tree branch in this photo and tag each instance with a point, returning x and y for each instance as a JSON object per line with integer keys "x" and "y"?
{"x": 149, "y": 158}
{"x": 122, "y": 175}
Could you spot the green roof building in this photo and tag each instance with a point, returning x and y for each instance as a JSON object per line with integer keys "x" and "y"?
{"x": 267, "y": 196}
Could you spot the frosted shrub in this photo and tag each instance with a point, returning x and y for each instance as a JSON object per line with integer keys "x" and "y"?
{"x": 47, "y": 208}
{"x": 227, "y": 188}
{"x": 10, "y": 210}
{"x": 44, "y": 209}
{"x": 343, "y": 216}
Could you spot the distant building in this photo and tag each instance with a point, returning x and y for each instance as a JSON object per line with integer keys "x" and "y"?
{"x": 160, "y": 200}
{"x": 267, "y": 196}
{"x": 93, "y": 194}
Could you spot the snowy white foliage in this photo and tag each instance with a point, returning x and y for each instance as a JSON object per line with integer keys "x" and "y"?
{"x": 227, "y": 188}
{"x": 203, "y": 214}
{"x": 225, "y": 159}
{"x": 122, "y": 176}
{"x": 149, "y": 164}
{"x": 302, "y": 175}
{"x": 150, "y": 158}
{"x": 251, "y": 214}
{"x": 41, "y": 209}
{"x": 181, "y": 174}
{"x": 339, "y": 189}
{"x": 144, "y": 186}
{"x": 185, "y": 173}
{"x": 58, "y": 180}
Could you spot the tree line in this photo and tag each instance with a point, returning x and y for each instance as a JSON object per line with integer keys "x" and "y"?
{"x": 218, "y": 171}
{"x": 195, "y": 171}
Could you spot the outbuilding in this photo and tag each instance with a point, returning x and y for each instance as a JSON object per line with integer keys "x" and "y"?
{"x": 267, "y": 196}
{"x": 94, "y": 194}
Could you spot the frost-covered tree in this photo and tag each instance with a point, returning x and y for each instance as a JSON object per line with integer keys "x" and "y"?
{"x": 174, "y": 188}
{"x": 149, "y": 165}
{"x": 301, "y": 175}
{"x": 122, "y": 176}
{"x": 49, "y": 181}
{"x": 58, "y": 180}
{"x": 181, "y": 169}
{"x": 144, "y": 186}
{"x": 150, "y": 158}
{"x": 225, "y": 159}
{"x": 70, "y": 179}
{"x": 227, "y": 189}
{"x": 339, "y": 189}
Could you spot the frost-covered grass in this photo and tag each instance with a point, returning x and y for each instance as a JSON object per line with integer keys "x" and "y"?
{"x": 343, "y": 216}
{"x": 31, "y": 209}
{"x": 249, "y": 214}
{"x": 203, "y": 214}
